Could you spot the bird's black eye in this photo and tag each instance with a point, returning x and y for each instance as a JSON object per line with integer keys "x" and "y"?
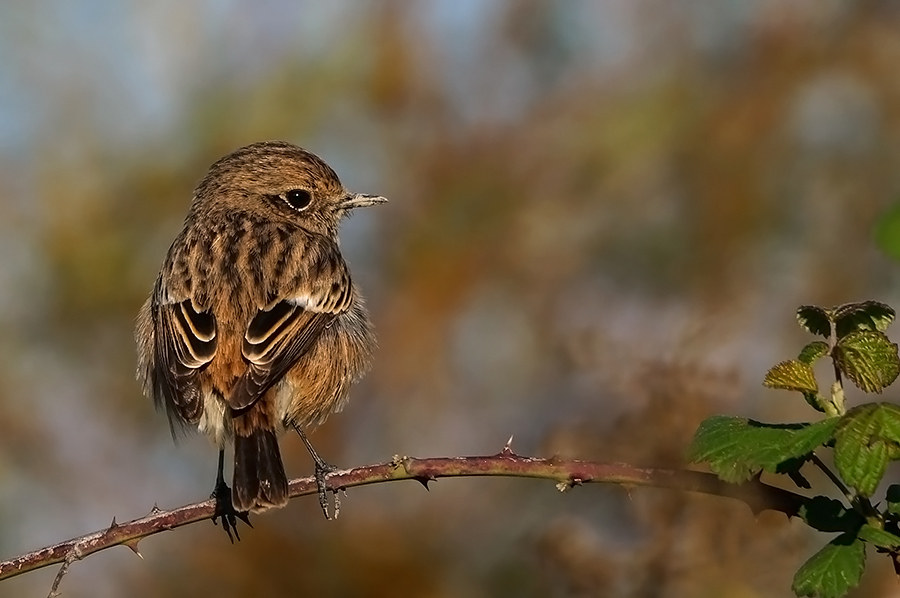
{"x": 297, "y": 198}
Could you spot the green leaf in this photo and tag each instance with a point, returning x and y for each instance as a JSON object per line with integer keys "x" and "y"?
{"x": 815, "y": 320}
{"x": 832, "y": 571}
{"x": 869, "y": 359}
{"x": 879, "y": 537}
{"x": 792, "y": 375}
{"x": 830, "y": 515}
{"x": 887, "y": 232}
{"x": 867, "y": 438}
{"x": 737, "y": 448}
{"x": 813, "y": 352}
{"x": 847, "y": 318}
{"x": 865, "y": 315}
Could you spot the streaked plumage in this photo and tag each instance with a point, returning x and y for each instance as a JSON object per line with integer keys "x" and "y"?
{"x": 254, "y": 323}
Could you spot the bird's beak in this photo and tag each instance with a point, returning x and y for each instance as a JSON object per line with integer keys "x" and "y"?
{"x": 361, "y": 201}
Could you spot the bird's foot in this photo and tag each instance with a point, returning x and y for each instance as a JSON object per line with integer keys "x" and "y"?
{"x": 322, "y": 470}
{"x": 225, "y": 509}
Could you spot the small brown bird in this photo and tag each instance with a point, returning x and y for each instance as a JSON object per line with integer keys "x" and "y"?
{"x": 254, "y": 325}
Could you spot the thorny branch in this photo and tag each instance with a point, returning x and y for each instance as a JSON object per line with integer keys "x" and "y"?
{"x": 565, "y": 472}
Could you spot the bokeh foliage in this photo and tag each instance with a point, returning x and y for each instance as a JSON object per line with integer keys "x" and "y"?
{"x": 600, "y": 212}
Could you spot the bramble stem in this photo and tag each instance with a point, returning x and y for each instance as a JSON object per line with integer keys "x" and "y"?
{"x": 565, "y": 473}
{"x": 833, "y": 477}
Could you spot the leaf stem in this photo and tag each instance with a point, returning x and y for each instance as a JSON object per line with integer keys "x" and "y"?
{"x": 833, "y": 477}
{"x": 858, "y": 502}
{"x": 837, "y": 390}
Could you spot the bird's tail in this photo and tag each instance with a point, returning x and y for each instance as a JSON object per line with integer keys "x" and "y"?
{"x": 259, "y": 479}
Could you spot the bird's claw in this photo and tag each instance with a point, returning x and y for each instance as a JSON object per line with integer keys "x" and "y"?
{"x": 322, "y": 470}
{"x": 225, "y": 509}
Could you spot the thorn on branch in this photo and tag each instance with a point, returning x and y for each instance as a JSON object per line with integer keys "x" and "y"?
{"x": 112, "y": 525}
{"x": 133, "y": 545}
{"x": 507, "y": 448}
{"x": 154, "y": 510}
{"x": 424, "y": 479}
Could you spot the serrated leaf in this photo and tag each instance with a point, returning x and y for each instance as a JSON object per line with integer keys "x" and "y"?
{"x": 792, "y": 375}
{"x": 882, "y": 314}
{"x": 813, "y": 352}
{"x": 832, "y": 571}
{"x": 869, "y": 359}
{"x": 865, "y": 315}
{"x": 879, "y": 537}
{"x": 815, "y": 320}
{"x": 737, "y": 448}
{"x": 867, "y": 438}
{"x": 830, "y": 515}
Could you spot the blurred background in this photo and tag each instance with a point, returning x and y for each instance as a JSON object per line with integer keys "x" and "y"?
{"x": 603, "y": 216}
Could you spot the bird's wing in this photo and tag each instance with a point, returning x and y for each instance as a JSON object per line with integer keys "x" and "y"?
{"x": 285, "y": 330}
{"x": 185, "y": 343}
